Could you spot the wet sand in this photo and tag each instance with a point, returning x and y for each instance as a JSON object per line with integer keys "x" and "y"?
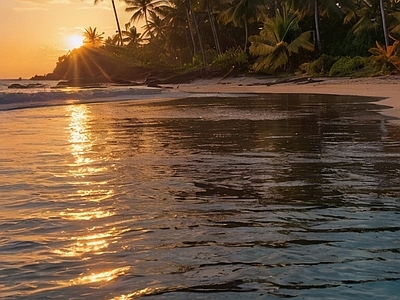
{"x": 387, "y": 87}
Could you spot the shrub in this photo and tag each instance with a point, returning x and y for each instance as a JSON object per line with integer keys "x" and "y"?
{"x": 347, "y": 66}
{"x": 386, "y": 60}
{"x": 232, "y": 57}
{"x": 321, "y": 66}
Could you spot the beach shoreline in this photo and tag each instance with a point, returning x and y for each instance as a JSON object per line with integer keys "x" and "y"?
{"x": 386, "y": 88}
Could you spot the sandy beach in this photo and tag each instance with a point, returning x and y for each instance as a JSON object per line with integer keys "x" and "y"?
{"x": 387, "y": 87}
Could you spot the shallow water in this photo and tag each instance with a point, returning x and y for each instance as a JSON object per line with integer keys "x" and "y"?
{"x": 265, "y": 197}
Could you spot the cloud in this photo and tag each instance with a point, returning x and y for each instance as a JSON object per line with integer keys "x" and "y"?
{"x": 71, "y": 30}
{"x": 43, "y": 2}
{"x": 29, "y": 8}
{"x": 32, "y": 5}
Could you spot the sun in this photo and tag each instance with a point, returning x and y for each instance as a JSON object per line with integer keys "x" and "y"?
{"x": 74, "y": 41}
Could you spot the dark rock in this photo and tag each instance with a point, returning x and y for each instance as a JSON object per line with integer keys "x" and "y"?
{"x": 24, "y": 86}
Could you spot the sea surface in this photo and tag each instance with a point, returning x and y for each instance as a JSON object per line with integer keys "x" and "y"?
{"x": 249, "y": 197}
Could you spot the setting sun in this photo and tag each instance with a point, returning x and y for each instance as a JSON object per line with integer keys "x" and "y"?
{"x": 74, "y": 41}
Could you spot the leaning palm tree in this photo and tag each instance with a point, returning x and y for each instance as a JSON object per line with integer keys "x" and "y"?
{"x": 92, "y": 37}
{"x": 116, "y": 19}
{"x": 278, "y": 41}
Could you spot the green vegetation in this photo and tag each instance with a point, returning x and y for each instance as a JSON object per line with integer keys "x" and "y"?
{"x": 280, "y": 42}
{"x": 346, "y": 66}
{"x": 316, "y": 37}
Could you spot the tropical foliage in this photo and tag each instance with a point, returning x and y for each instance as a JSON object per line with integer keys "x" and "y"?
{"x": 92, "y": 37}
{"x": 266, "y": 36}
{"x": 386, "y": 58}
{"x": 279, "y": 41}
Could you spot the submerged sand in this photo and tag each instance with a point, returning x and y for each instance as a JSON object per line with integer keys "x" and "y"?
{"x": 387, "y": 87}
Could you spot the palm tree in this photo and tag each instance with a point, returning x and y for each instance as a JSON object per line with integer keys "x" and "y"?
{"x": 184, "y": 10}
{"x": 191, "y": 13}
{"x": 319, "y": 8}
{"x": 116, "y": 18}
{"x": 243, "y": 12}
{"x": 131, "y": 36}
{"x": 278, "y": 41}
{"x": 92, "y": 37}
{"x": 141, "y": 8}
{"x": 112, "y": 41}
{"x": 208, "y": 5}
{"x": 155, "y": 26}
{"x": 366, "y": 15}
{"x": 177, "y": 27}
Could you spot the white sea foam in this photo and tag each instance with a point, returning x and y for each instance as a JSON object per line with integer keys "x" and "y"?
{"x": 47, "y": 93}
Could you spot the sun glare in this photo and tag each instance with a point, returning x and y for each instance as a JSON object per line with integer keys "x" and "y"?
{"x": 74, "y": 41}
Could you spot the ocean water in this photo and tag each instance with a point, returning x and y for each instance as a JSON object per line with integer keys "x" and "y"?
{"x": 48, "y": 93}
{"x": 263, "y": 197}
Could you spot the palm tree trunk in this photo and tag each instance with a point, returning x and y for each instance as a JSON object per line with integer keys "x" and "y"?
{"x": 198, "y": 34}
{"x": 213, "y": 29}
{"x": 317, "y": 32}
{"x": 190, "y": 30}
{"x": 116, "y": 19}
{"x": 246, "y": 33}
{"x": 385, "y": 29}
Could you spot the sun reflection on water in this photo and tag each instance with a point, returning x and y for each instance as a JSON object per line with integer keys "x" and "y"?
{"x": 87, "y": 163}
{"x": 94, "y": 243}
{"x": 103, "y": 276}
{"x": 72, "y": 214}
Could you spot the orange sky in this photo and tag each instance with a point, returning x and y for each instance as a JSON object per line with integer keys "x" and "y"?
{"x": 34, "y": 33}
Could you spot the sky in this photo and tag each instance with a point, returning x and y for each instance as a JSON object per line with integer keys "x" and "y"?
{"x": 34, "y": 33}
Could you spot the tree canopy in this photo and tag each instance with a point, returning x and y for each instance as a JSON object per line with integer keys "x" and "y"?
{"x": 275, "y": 35}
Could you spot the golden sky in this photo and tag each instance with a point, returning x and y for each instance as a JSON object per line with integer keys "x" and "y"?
{"x": 34, "y": 33}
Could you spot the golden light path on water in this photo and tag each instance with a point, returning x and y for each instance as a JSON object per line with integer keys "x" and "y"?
{"x": 94, "y": 240}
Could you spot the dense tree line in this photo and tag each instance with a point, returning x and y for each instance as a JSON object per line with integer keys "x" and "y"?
{"x": 267, "y": 36}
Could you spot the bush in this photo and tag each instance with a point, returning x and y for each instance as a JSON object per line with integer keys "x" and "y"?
{"x": 386, "y": 60}
{"x": 321, "y": 66}
{"x": 232, "y": 57}
{"x": 347, "y": 66}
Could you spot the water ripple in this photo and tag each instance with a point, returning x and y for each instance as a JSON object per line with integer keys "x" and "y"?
{"x": 270, "y": 197}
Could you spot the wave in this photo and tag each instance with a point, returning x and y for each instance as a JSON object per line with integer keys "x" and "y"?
{"x": 47, "y": 93}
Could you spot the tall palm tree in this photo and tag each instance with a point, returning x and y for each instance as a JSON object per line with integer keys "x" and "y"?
{"x": 116, "y": 19}
{"x": 141, "y": 8}
{"x": 192, "y": 14}
{"x": 243, "y": 12}
{"x": 92, "y": 37}
{"x": 186, "y": 7}
{"x": 178, "y": 27}
{"x": 208, "y": 5}
{"x": 278, "y": 41}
